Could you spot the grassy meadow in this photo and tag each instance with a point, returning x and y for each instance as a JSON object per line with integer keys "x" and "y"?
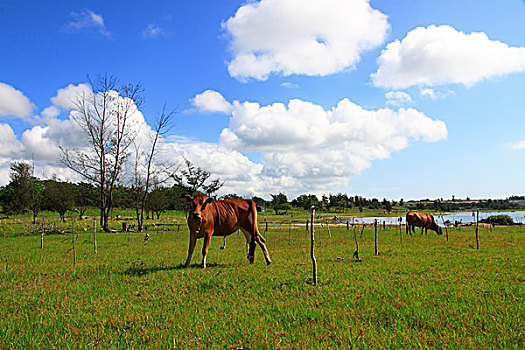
{"x": 426, "y": 293}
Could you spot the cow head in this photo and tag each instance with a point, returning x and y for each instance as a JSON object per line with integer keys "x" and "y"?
{"x": 437, "y": 228}
{"x": 197, "y": 205}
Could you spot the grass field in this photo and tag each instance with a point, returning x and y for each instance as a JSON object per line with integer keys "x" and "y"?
{"x": 424, "y": 293}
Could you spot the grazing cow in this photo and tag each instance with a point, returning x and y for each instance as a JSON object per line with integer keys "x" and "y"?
{"x": 423, "y": 220}
{"x": 222, "y": 218}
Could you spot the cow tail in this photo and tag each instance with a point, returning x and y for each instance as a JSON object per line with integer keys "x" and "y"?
{"x": 254, "y": 211}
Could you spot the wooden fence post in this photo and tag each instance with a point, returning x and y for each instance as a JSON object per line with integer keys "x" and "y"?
{"x": 375, "y": 229}
{"x": 312, "y": 240}
{"x": 290, "y": 233}
{"x": 74, "y": 251}
{"x": 477, "y": 224}
{"x": 95, "y": 235}
{"x": 42, "y": 237}
{"x": 328, "y": 229}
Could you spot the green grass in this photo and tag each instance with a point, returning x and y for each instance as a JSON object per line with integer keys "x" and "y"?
{"x": 426, "y": 293}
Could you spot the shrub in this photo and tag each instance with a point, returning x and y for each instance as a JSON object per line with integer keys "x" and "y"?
{"x": 498, "y": 220}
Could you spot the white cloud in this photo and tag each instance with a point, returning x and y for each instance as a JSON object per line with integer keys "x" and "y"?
{"x": 306, "y": 148}
{"x": 397, "y": 98}
{"x": 434, "y": 94}
{"x": 300, "y": 147}
{"x": 9, "y": 145}
{"x": 289, "y": 85}
{"x": 153, "y": 31}
{"x": 88, "y": 19}
{"x": 38, "y": 146}
{"x": 51, "y": 112}
{"x": 211, "y": 101}
{"x": 439, "y": 55}
{"x": 239, "y": 173}
{"x": 68, "y": 97}
{"x": 13, "y": 103}
{"x": 517, "y": 145}
{"x": 308, "y": 37}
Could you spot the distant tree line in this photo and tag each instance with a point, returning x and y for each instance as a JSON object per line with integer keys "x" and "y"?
{"x": 485, "y": 204}
{"x": 26, "y": 193}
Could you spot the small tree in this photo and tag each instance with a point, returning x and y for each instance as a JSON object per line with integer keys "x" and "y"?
{"x": 280, "y": 202}
{"x": 194, "y": 179}
{"x": 84, "y": 196}
{"x": 158, "y": 201}
{"x": 17, "y": 195}
{"x": 24, "y": 192}
{"x": 58, "y": 197}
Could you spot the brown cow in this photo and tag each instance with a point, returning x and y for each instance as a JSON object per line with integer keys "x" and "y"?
{"x": 222, "y": 218}
{"x": 423, "y": 220}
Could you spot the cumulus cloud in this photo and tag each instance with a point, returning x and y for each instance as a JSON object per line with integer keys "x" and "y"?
{"x": 305, "y": 147}
{"x": 307, "y": 37}
{"x": 13, "y": 103}
{"x": 68, "y": 97}
{"x": 397, "y": 98}
{"x": 50, "y": 112}
{"x": 239, "y": 173}
{"x": 299, "y": 146}
{"x": 39, "y": 146}
{"x": 9, "y": 144}
{"x": 439, "y": 55}
{"x": 211, "y": 101}
{"x": 87, "y": 19}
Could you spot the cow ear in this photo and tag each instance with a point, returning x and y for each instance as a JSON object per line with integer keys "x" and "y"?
{"x": 206, "y": 202}
{"x": 188, "y": 197}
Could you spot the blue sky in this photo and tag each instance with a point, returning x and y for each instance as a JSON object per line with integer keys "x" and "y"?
{"x": 396, "y": 99}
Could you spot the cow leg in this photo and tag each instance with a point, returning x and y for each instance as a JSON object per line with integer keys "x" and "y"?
{"x": 193, "y": 240}
{"x": 250, "y": 245}
{"x": 205, "y": 246}
{"x": 251, "y": 252}
{"x": 260, "y": 240}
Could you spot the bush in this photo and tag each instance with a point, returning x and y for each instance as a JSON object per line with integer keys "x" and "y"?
{"x": 498, "y": 220}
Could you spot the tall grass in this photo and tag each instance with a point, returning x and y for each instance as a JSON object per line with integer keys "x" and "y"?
{"x": 425, "y": 293}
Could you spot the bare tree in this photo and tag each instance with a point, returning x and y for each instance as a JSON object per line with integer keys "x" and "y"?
{"x": 142, "y": 183}
{"x": 105, "y": 116}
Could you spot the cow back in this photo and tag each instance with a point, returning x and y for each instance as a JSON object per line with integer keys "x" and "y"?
{"x": 420, "y": 219}
{"x": 228, "y": 216}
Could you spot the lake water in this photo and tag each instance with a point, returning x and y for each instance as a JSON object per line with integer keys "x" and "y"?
{"x": 464, "y": 217}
